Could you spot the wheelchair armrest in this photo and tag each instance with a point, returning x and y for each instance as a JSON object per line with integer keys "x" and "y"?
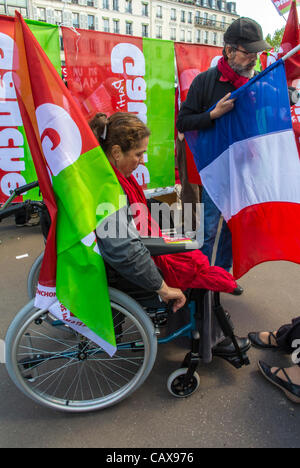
{"x": 162, "y": 246}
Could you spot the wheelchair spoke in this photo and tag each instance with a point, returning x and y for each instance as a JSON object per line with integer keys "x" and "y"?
{"x": 65, "y": 370}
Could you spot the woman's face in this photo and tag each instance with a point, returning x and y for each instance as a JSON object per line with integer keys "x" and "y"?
{"x": 128, "y": 162}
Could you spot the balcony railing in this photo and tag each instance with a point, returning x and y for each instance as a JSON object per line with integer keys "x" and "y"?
{"x": 211, "y": 24}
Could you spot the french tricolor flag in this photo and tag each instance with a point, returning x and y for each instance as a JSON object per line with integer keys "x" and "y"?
{"x": 249, "y": 165}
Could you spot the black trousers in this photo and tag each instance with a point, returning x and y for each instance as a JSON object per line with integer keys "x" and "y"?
{"x": 190, "y": 193}
{"x": 287, "y": 334}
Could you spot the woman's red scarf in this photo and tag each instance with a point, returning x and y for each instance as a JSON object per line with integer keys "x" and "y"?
{"x": 184, "y": 270}
{"x": 230, "y": 75}
{"x": 145, "y": 224}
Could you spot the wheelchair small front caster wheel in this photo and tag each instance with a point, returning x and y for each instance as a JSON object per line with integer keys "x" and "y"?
{"x": 177, "y": 386}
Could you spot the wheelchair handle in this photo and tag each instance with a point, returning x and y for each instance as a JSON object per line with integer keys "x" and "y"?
{"x": 25, "y": 188}
{"x": 17, "y": 192}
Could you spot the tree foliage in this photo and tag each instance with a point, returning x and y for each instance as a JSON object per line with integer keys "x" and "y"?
{"x": 276, "y": 39}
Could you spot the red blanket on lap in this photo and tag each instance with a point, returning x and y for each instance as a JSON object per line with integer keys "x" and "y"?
{"x": 184, "y": 270}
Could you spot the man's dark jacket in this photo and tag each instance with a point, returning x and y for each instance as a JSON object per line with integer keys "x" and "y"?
{"x": 205, "y": 91}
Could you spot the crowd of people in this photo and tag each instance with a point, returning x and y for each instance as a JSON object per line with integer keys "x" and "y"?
{"x": 124, "y": 140}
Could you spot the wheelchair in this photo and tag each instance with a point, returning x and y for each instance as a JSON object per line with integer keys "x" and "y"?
{"x": 63, "y": 370}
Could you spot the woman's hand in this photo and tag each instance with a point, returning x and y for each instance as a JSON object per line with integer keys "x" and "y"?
{"x": 167, "y": 294}
{"x": 223, "y": 106}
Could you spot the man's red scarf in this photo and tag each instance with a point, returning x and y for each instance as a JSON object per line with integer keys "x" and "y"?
{"x": 230, "y": 75}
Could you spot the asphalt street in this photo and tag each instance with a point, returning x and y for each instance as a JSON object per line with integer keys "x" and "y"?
{"x": 232, "y": 408}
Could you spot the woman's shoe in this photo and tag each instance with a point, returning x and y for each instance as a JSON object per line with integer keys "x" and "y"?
{"x": 226, "y": 347}
{"x": 258, "y": 343}
{"x": 238, "y": 291}
{"x": 291, "y": 390}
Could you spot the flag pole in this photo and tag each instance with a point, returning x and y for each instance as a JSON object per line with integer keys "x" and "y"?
{"x": 291, "y": 52}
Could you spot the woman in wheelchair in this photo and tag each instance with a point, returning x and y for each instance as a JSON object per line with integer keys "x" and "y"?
{"x": 124, "y": 139}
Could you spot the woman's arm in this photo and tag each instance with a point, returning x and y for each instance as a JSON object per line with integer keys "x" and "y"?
{"x": 126, "y": 253}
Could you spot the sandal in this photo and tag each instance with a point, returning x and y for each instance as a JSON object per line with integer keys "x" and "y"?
{"x": 291, "y": 390}
{"x": 258, "y": 343}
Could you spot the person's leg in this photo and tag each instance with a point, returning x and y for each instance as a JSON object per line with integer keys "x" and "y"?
{"x": 287, "y": 334}
{"x": 287, "y": 379}
{"x": 190, "y": 193}
{"x": 21, "y": 217}
{"x": 211, "y": 223}
{"x": 224, "y": 252}
{"x": 282, "y": 338}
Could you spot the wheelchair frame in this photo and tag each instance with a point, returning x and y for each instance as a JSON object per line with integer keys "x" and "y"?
{"x": 132, "y": 307}
{"x": 183, "y": 382}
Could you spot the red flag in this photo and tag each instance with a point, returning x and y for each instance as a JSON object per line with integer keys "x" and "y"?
{"x": 193, "y": 59}
{"x": 291, "y": 38}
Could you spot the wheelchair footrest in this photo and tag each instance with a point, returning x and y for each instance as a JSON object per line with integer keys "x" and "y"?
{"x": 237, "y": 361}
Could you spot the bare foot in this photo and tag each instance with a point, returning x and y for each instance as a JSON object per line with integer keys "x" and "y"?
{"x": 264, "y": 336}
{"x": 293, "y": 373}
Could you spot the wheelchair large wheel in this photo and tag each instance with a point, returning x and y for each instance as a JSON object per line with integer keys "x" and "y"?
{"x": 33, "y": 276}
{"x": 61, "y": 369}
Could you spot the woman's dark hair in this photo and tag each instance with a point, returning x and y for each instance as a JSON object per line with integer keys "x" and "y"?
{"x": 122, "y": 128}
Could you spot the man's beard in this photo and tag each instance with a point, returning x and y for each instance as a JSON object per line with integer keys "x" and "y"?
{"x": 247, "y": 71}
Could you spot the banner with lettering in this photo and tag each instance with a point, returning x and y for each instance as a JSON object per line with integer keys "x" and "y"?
{"x": 16, "y": 165}
{"x": 283, "y": 6}
{"x": 113, "y": 73}
{"x": 191, "y": 60}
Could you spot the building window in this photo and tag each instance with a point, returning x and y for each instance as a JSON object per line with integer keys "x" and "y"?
{"x": 173, "y": 34}
{"x": 116, "y": 26}
{"x": 75, "y": 20}
{"x": 129, "y": 28}
{"x": 41, "y": 14}
{"x": 145, "y": 9}
{"x": 205, "y": 37}
{"x": 158, "y": 32}
{"x": 105, "y": 24}
{"x": 205, "y": 3}
{"x": 105, "y": 4}
{"x": 90, "y": 3}
{"x": 116, "y": 5}
{"x": 205, "y": 18}
{"x": 214, "y": 20}
{"x": 215, "y": 38}
{"x": 91, "y": 22}
{"x": 198, "y": 17}
{"x": 189, "y": 36}
{"x": 58, "y": 17}
{"x": 214, "y": 4}
{"x": 159, "y": 12}
{"x": 190, "y": 17}
{"x": 182, "y": 35}
{"x": 128, "y": 6}
{"x": 173, "y": 14}
{"x": 198, "y": 35}
{"x": 182, "y": 18}
{"x": 145, "y": 30}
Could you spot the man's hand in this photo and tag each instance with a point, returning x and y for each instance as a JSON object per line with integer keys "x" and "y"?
{"x": 223, "y": 106}
{"x": 167, "y": 294}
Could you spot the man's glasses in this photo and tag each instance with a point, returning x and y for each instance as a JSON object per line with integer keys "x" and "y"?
{"x": 244, "y": 51}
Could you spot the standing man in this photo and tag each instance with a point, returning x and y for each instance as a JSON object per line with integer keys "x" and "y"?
{"x": 243, "y": 40}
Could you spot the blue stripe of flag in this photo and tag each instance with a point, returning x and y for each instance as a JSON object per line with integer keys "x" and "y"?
{"x": 261, "y": 107}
